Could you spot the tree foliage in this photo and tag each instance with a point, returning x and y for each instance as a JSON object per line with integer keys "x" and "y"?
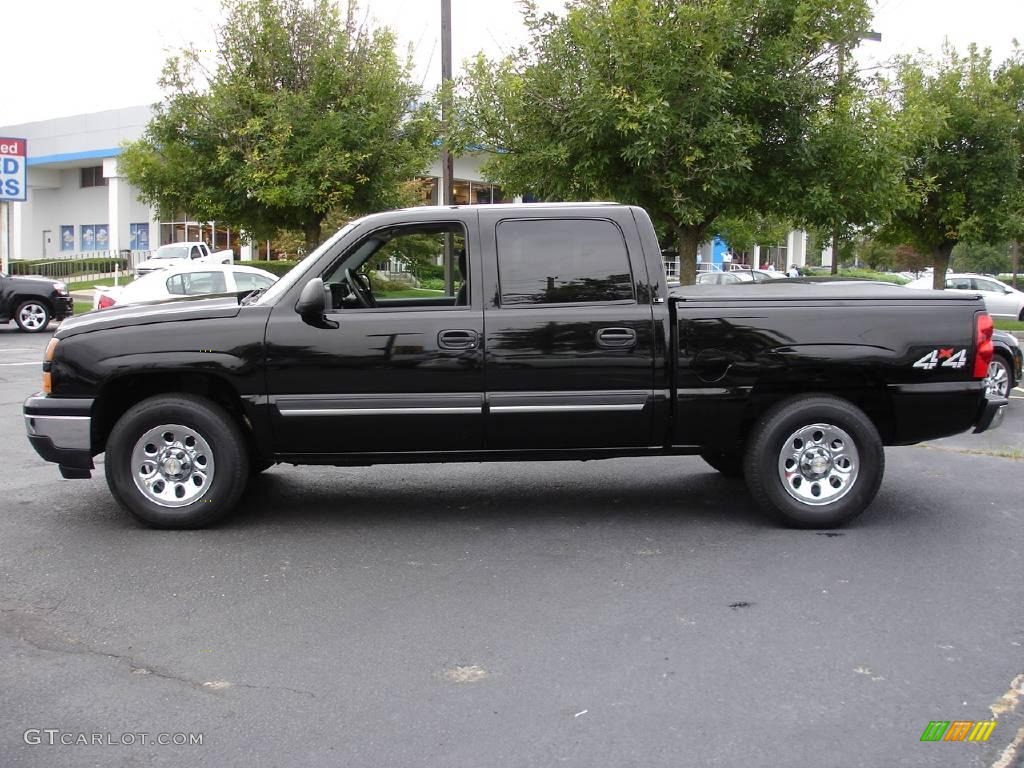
{"x": 856, "y": 157}
{"x": 694, "y": 110}
{"x": 964, "y": 155}
{"x": 742, "y": 233}
{"x": 303, "y": 113}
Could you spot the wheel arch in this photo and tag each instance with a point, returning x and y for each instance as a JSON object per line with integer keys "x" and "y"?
{"x": 121, "y": 393}
{"x": 20, "y": 298}
{"x": 859, "y": 387}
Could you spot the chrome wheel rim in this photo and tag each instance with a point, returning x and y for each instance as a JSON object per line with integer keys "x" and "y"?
{"x": 997, "y": 383}
{"x": 818, "y": 464}
{"x": 32, "y": 316}
{"x": 172, "y": 465}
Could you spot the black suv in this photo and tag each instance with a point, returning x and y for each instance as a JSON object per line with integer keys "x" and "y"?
{"x": 32, "y": 301}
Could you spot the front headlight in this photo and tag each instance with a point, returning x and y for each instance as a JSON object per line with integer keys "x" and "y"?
{"x": 60, "y": 288}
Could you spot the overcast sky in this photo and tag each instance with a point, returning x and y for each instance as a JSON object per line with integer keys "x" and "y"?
{"x": 66, "y": 57}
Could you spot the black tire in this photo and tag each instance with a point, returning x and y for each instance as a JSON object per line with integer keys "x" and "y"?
{"x": 213, "y": 425}
{"x": 768, "y": 446}
{"x": 729, "y": 464}
{"x": 38, "y": 310}
{"x": 1000, "y": 361}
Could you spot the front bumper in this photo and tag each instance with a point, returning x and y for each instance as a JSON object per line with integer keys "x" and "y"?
{"x": 60, "y": 429}
{"x": 990, "y": 414}
{"x": 63, "y": 306}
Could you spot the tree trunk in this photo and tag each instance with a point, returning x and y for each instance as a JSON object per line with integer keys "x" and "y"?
{"x": 688, "y": 241}
{"x": 940, "y": 262}
{"x": 1015, "y": 260}
{"x": 835, "y": 249}
{"x": 312, "y": 232}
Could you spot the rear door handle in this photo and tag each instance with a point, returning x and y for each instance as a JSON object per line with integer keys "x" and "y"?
{"x": 458, "y": 338}
{"x": 616, "y": 338}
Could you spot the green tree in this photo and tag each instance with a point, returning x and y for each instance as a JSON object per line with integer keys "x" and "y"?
{"x": 855, "y": 161}
{"x": 1010, "y": 78}
{"x": 303, "y": 113}
{"x": 694, "y": 110}
{"x": 991, "y": 259}
{"x": 963, "y": 157}
{"x": 742, "y": 233}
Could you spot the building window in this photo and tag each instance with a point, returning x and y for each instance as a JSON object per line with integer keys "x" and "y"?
{"x": 67, "y": 237}
{"x": 93, "y": 177}
{"x": 589, "y": 255}
{"x": 139, "y": 237}
{"x": 95, "y": 237}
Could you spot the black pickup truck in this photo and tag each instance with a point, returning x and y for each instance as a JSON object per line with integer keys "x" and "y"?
{"x": 559, "y": 340}
{"x": 33, "y": 301}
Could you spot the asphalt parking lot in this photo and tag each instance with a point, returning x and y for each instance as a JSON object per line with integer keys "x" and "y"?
{"x": 621, "y": 613}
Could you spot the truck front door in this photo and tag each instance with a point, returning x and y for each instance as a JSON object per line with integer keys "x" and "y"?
{"x": 403, "y": 369}
{"x": 569, "y": 353}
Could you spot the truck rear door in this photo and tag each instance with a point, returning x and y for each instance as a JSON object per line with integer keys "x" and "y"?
{"x": 569, "y": 347}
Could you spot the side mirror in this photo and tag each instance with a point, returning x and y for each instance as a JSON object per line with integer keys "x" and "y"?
{"x": 312, "y": 304}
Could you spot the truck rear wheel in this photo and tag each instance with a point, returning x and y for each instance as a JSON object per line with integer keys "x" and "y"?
{"x": 815, "y": 461}
{"x": 177, "y": 462}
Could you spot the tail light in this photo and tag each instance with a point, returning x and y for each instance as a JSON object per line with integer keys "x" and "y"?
{"x": 106, "y": 302}
{"x": 983, "y": 344}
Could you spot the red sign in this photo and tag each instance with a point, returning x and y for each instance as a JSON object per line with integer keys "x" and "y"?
{"x": 12, "y": 147}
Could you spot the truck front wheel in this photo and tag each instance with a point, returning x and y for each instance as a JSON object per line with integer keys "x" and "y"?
{"x": 177, "y": 462}
{"x": 815, "y": 461}
{"x": 32, "y": 316}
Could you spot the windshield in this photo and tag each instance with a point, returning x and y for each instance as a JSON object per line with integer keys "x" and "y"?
{"x": 298, "y": 272}
{"x": 171, "y": 252}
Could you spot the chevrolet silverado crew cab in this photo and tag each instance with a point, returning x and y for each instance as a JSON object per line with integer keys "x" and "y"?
{"x": 559, "y": 340}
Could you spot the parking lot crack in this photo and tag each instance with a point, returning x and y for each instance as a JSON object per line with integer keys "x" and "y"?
{"x": 138, "y": 668}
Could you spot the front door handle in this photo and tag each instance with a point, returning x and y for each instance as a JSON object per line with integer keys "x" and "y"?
{"x": 616, "y": 338}
{"x": 458, "y": 339}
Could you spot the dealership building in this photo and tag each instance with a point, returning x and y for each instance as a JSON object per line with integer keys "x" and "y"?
{"x": 79, "y": 204}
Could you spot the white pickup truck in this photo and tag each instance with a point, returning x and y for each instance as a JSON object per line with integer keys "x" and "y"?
{"x": 172, "y": 254}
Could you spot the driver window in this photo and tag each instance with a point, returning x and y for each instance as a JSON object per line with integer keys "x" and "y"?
{"x": 402, "y": 267}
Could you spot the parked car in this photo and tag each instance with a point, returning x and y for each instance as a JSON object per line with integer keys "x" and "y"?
{"x": 32, "y": 301}
{"x": 1000, "y": 299}
{"x": 737, "y": 276}
{"x": 566, "y": 344}
{"x": 1004, "y": 372}
{"x": 190, "y": 279}
{"x": 173, "y": 254}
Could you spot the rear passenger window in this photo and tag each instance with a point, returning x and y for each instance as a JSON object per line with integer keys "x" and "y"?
{"x": 560, "y": 261}
{"x": 196, "y": 283}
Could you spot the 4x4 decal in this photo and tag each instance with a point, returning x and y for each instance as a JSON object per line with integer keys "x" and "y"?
{"x": 945, "y": 357}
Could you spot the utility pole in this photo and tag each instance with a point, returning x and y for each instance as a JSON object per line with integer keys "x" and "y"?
{"x": 840, "y": 73}
{"x": 446, "y": 156}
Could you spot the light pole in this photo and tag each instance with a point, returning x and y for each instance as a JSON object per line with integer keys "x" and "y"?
{"x": 446, "y": 156}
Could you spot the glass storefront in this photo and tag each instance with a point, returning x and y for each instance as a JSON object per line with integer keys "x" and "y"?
{"x": 464, "y": 192}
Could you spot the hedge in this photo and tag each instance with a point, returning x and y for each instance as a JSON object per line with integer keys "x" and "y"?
{"x": 278, "y": 268}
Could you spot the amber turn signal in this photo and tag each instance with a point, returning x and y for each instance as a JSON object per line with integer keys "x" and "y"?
{"x": 47, "y": 359}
